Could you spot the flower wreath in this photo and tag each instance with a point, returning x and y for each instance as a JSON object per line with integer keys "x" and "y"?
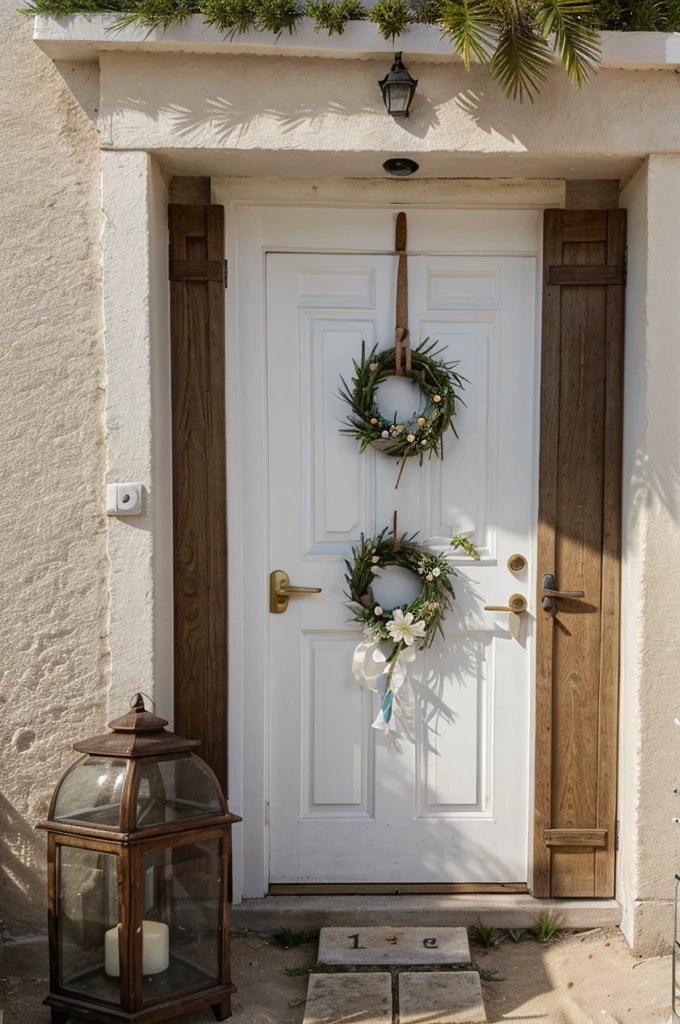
{"x": 424, "y": 432}
{"x": 408, "y": 628}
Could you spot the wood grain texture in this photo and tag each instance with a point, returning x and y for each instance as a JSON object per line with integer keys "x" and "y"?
{"x": 199, "y": 270}
{"x": 199, "y": 482}
{"x": 547, "y": 520}
{"x": 585, "y": 275}
{"x": 579, "y": 540}
{"x": 576, "y": 837}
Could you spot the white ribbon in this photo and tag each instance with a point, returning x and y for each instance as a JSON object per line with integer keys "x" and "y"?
{"x": 369, "y": 666}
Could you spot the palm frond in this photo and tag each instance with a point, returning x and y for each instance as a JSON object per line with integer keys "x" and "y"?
{"x": 575, "y": 40}
{"x": 470, "y": 26}
{"x": 522, "y": 56}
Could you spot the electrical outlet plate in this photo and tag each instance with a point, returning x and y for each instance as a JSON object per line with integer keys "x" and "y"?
{"x": 124, "y": 499}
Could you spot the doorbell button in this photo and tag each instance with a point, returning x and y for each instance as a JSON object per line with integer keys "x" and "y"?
{"x": 123, "y": 499}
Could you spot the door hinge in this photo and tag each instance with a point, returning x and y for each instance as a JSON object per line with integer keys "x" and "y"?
{"x": 226, "y": 273}
{"x": 625, "y": 265}
{"x": 617, "y": 835}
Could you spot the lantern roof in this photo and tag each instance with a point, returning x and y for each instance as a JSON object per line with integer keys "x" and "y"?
{"x": 139, "y": 733}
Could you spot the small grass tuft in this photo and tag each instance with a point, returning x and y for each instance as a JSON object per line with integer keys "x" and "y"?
{"x": 517, "y": 934}
{"x": 547, "y": 927}
{"x": 485, "y": 935}
{"x": 486, "y": 975}
{"x": 293, "y": 1003}
{"x": 290, "y": 939}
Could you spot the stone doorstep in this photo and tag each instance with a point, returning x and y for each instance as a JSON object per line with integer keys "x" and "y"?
{"x": 309, "y": 913}
{"x": 359, "y": 998}
{"x": 441, "y": 997}
{"x": 390, "y": 946}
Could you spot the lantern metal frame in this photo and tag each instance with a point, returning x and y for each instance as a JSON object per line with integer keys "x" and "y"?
{"x": 398, "y": 75}
{"x": 140, "y": 738}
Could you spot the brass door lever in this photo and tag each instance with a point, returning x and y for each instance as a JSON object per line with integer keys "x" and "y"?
{"x": 517, "y": 603}
{"x": 280, "y": 591}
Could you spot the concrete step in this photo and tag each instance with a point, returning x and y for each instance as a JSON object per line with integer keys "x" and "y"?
{"x": 441, "y": 997}
{"x": 394, "y": 946}
{"x": 359, "y": 998}
{"x": 310, "y": 913}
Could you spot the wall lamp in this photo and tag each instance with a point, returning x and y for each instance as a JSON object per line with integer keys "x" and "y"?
{"x": 398, "y": 88}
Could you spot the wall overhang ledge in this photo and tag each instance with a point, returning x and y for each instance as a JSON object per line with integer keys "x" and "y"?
{"x": 84, "y": 36}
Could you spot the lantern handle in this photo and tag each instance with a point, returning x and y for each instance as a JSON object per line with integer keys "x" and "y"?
{"x": 137, "y": 701}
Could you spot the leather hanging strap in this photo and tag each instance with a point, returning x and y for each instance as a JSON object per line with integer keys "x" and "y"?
{"x": 401, "y": 337}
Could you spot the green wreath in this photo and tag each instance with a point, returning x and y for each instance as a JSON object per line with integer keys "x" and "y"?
{"x": 424, "y": 432}
{"x": 406, "y": 626}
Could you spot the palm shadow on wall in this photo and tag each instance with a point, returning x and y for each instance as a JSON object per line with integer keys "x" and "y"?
{"x": 229, "y": 123}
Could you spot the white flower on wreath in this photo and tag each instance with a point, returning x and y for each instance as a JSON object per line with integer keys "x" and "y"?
{"x": 403, "y": 629}
{"x": 436, "y": 571}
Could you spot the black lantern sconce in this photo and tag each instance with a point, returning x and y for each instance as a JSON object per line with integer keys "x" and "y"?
{"x": 398, "y": 89}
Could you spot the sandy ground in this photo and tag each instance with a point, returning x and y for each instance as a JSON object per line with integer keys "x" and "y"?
{"x": 590, "y": 977}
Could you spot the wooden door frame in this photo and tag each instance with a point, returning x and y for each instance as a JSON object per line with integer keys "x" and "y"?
{"x": 608, "y": 229}
{"x": 540, "y": 864}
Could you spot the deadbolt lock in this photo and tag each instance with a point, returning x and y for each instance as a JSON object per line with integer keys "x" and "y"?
{"x": 516, "y": 563}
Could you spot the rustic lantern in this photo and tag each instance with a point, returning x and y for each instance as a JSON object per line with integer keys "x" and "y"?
{"x": 398, "y": 88}
{"x": 139, "y": 841}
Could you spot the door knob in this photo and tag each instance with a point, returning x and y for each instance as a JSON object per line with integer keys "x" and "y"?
{"x": 517, "y": 603}
{"x": 280, "y": 591}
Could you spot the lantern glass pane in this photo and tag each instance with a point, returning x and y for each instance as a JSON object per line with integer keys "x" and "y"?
{"x": 168, "y": 790}
{"x": 87, "y": 911}
{"x": 182, "y": 919}
{"x": 91, "y": 792}
{"x": 399, "y": 96}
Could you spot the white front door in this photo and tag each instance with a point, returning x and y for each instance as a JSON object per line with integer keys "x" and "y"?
{"x": 449, "y": 803}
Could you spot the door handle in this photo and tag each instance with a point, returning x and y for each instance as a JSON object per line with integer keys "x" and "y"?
{"x": 550, "y": 592}
{"x": 280, "y": 591}
{"x": 550, "y": 588}
{"x": 517, "y": 603}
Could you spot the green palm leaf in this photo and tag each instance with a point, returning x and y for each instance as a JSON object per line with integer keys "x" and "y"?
{"x": 522, "y": 57}
{"x": 575, "y": 41}
{"x": 470, "y": 25}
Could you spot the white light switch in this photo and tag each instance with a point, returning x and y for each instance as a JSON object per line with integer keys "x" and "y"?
{"x": 123, "y": 499}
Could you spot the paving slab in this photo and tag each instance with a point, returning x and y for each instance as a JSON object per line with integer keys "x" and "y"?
{"x": 387, "y": 945}
{"x": 441, "y": 997}
{"x": 359, "y": 998}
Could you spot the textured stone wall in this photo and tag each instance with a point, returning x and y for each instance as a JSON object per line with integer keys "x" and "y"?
{"x": 53, "y": 550}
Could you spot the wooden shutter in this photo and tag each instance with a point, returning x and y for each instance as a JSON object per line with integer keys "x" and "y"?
{"x": 199, "y": 478}
{"x": 579, "y": 541}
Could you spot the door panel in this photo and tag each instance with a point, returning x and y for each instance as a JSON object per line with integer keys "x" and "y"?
{"x": 448, "y": 801}
{"x": 579, "y": 541}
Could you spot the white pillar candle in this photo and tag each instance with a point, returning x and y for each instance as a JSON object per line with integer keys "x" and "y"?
{"x": 155, "y": 949}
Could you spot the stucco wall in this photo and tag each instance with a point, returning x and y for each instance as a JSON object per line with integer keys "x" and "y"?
{"x": 267, "y": 116}
{"x": 53, "y": 552}
{"x": 651, "y": 570}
